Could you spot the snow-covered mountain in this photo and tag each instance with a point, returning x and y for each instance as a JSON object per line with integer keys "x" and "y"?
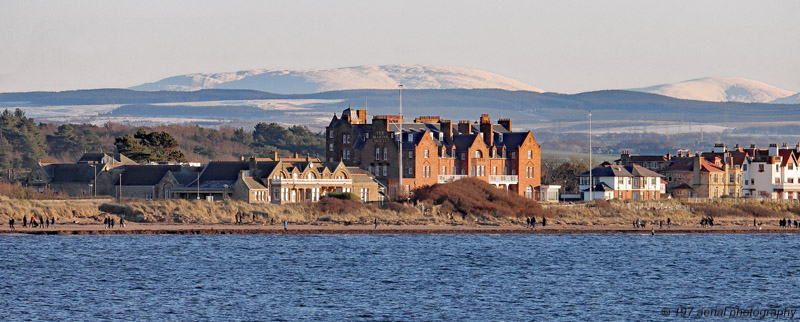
{"x": 285, "y": 81}
{"x": 794, "y": 99}
{"x": 720, "y": 89}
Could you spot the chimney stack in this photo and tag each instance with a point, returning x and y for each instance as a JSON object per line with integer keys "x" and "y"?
{"x": 505, "y": 123}
{"x": 274, "y": 155}
{"x": 487, "y": 129}
{"x": 773, "y": 149}
{"x": 464, "y": 127}
{"x": 447, "y": 129}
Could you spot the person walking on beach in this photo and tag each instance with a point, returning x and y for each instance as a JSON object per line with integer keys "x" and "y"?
{"x": 544, "y": 221}
{"x": 376, "y": 222}
{"x": 284, "y": 225}
{"x": 41, "y": 221}
{"x": 669, "y": 223}
{"x": 527, "y": 222}
{"x": 111, "y": 223}
{"x": 11, "y": 223}
{"x": 121, "y": 223}
{"x": 105, "y": 222}
{"x": 53, "y": 222}
{"x": 533, "y": 222}
{"x": 24, "y": 221}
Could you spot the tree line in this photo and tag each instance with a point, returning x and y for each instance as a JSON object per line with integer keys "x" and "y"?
{"x": 24, "y": 143}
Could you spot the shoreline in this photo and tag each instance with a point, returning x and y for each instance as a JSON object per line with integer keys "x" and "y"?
{"x": 229, "y": 229}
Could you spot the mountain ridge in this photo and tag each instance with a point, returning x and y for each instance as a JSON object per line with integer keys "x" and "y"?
{"x": 296, "y": 81}
{"x": 720, "y": 89}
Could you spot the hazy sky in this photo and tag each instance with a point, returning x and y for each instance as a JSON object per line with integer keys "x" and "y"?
{"x": 561, "y": 46}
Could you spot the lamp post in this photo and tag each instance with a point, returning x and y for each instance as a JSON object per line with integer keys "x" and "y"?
{"x": 93, "y": 187}
{"x": 400, "y": 146}
{"x": 225, "y": 195}
{"x": 198, "y": 186}
{"x": 591, "y": 183}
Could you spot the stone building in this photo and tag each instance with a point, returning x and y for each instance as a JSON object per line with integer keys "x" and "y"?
{"x": 435, "y": 151}
{"x": 79, "y": 179}
{"x": 278, "y": 181}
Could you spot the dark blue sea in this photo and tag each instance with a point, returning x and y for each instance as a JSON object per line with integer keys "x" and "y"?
{"x": 396, "y": 277}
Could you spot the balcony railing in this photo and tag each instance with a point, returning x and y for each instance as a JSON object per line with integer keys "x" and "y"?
{"x": 450, "y": 178}
{"x": 787, "y": 186}
{"x": 503, "y": 179}
{"x": 329, "y": 182}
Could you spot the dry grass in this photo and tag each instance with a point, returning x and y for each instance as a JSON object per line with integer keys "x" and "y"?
{"x": 735, "y": 212}
{"x": 344, "y": 212}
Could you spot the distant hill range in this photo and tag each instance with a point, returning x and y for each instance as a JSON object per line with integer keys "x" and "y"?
{"x": 528, "y": 106}
{"x": 723, "y": 89}
{"x": 287, "y": 81}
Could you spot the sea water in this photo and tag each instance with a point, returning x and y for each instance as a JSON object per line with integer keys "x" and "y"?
{"x": 394, "y": 277}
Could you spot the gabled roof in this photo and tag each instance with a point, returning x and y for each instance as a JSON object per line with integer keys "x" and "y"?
{"x": 97, "y": 157}
{"x": 683, "y": 186}
{"x": 786, "y": 155}
{"x": 72, "y": 173}
{"x": 512, "y": 140}
{"x": 687, "y": 165}
{"x": 253, "y": 184}
{"x": 220, "y": 173}
{"x": 621, "y": 171}
{"x": 145, "y": 175}
{"x": 464, "y": 141}
{"x": 602, "y": 186}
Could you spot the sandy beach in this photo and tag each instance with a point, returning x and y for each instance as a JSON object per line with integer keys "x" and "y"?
{"x": 225, "y": 229}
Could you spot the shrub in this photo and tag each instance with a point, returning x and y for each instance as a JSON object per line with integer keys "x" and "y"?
{"x": 471, "y": 196}
{"x": 344, "y": 196}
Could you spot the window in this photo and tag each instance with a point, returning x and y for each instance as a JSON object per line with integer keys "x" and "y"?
{"x": 791, "y": 166}
{"x": 744, "y": 167}
{"x": 330, "y": 134}
{"x": 731, "y": 178}
{"x": 463, "y": 155}
{"x": 366, "y": 135}
{"x": 472, "y": 173}
{"x": 410, "y": 154}
{"x": 494, "y": 172}
{"x": 330, "y": 147}
{"x": 530, "y": 154}
{"x": 760, "y": 168}
{"x": 444, "y": 170}
{"x": 377, "y": 153}
{"x": 513, "y": 172}
{"x": 385, "y": 154}
{"x": 504, "y": 154}
{"x": 513, "y": 155}
{"x": 478, "y": 154}
{"x": 385, "y": 169}
{"x": 410, "y": 170}
{"x": 370, "y": 169}
{"x": 426, "y": 154}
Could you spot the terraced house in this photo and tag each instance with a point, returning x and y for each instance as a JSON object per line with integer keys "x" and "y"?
{"x": 434, "y": 150}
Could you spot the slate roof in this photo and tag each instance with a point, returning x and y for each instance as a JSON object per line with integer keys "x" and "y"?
{"x": 687, "y": 165}
{"x": 252, "y": 183}
{"x": 602, "y": 186}
{"x": 216, "y": 174}
{"x": 621, "y": 171}
{"x": 683, "y": 186}
{"x": 97, "y": 157}
{"x": 145, "y": 175}
{"x": 72, "y": 173}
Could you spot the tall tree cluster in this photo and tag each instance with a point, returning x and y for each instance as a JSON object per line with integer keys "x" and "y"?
{"x": 21, "y": 144}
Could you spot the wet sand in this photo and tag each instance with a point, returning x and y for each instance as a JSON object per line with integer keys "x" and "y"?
{"x": 229, "y": 229}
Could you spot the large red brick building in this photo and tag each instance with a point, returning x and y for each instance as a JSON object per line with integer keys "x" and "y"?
{"x": 436, "y": 151}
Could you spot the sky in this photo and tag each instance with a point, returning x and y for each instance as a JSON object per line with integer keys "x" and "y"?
{"x": 559, "y": 46}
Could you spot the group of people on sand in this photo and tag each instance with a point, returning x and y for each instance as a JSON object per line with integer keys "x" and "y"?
{"x": 531, "y": 222}
{"x": 33, "y": 223}
{"x": 643, "y": 224}
{"x": 239, "y": 218}
{"x": 109, "y": 222}
{"x": 787, "y": 223}
{"x": 707, "y": 221}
